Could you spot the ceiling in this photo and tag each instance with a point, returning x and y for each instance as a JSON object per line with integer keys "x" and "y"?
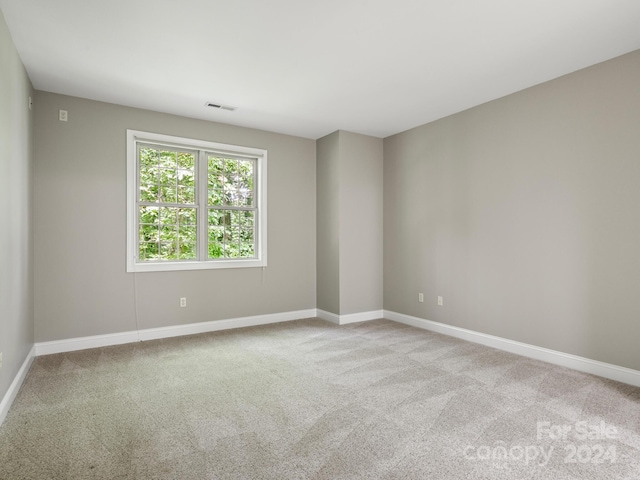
{"x": 308, "y": 68}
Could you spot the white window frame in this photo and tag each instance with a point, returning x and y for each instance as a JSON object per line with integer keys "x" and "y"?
{"x": 204, "y": 147}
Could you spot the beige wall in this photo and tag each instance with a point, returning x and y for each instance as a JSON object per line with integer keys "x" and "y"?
{"x": 360, "y": 223}
{"x": 81, "y": 287}
{"x": 523, "y": 214}
{"x": 16, "y": 279}
{"x": 328, "y": 227}
{"x": 349, "y": 185}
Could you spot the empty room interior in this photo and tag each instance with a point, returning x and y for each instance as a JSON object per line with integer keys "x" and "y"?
{"x": 320, "y": 240}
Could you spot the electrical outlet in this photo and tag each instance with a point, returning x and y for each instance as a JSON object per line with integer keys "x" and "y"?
{"x": 63, "y": 115}
{"x": 421, "y": 297}
{"x": 183, "y": 301}
{"x": 440, "y": 301}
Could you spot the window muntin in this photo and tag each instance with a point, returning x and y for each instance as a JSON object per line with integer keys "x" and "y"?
{"x": 194, "y": 204}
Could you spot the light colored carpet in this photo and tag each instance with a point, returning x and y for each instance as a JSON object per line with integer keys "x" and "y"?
{"x": 311, "y": 400}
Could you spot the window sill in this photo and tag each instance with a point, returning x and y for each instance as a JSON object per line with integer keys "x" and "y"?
{"x": 187, "y": 265}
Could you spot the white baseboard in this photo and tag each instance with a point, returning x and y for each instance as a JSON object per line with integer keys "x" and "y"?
{"x": 582, "y": 364}
{"x": 83, "y": 343}
{"x": 14, "y": 388}
{"x": 215, "y": 325}
{"x": 351, "y": 318}
{"x": 361, "y": 317}
{"x": 328, "y": 316}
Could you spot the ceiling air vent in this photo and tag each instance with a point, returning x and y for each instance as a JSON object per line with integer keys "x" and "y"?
{"x": 219, "y": 106}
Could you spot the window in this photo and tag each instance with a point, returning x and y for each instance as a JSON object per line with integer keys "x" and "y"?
{"x": 194, "y": 204}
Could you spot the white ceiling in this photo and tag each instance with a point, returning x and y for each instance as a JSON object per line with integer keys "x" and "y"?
{"x": 307, "y": 67}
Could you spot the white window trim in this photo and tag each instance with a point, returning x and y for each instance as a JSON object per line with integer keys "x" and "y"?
{"x": 135, "y": 136}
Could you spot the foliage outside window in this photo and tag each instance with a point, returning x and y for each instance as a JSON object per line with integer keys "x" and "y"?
{"x": 194, "y": 204}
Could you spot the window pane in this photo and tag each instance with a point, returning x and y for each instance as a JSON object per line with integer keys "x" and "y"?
{"x": 216, "y": 180}
{"x": 247, "y": 250}
{"x": 216, "y": 217}
{"x": 149, "y": 193}
{"x": 245, "y": 172}
{"x": 168, "y": 176}
{"x": 168, "y": 251}
{"x": 245, "y": 198}
{"x": 246, "y": 218}
{"x": 231, "y": 182}
{"x": 235, "y": 217}
{"x": 186, "y": 161}
{"x": 148, "y": 175}
{"x": 187, "y": 238}
{"x": 168, "y": 215}
{"x": 167, "y": 194}
{"x": 245, "y": 182}
{"x": 147, "y": 232}
{"x": 230, "y": 250}
{"x": 246, "y": 234}
{"x": 187, "y": 216}
{"x": 167, "y": 159}
{"x": 216, "y": 234}
{"x": 148, "y": 157}
{"x": 148, "y": 251}
{"x": 186, "y": 178}
{"x": 148, "y": 214}
{"x": 232, "y": 241}
{"x": 188, "y": 251}
{"x": 246, "y": 242}
{"x": 186, "y": 195}
{"x": 230, "y": 166}
{"x": 228, "y": 194}
{"x": 216, "y": 197}
{"x": 216, "y": 164}
{"x": 216, "y": 241}
{"x": 231, "y": 233}
{"x": 168, "y": 234}
{"x": 187, "y": 234}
